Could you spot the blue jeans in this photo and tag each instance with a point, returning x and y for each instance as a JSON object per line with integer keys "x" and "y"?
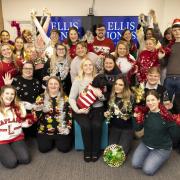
{"x": 172, "y": 84}
{"x": 150, "y": 160}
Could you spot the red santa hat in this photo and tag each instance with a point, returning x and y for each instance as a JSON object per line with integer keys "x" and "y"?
{"x": 176, "y": 23}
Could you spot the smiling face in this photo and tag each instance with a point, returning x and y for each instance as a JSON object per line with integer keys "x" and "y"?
{"x": 87, "y": 67}
{"x": 176, "y": 33}
{"x": 6, "y": 51}
{"x": 53, "y": 86}
{"x": 100, "y": 32}
{"x": 127, "y": 36}
{"x": 60, "y": 50}
{"x": 119, "y": 86}
{"x": 81, "y": 50}
{"x": 152, "y": 103}
{"x": 150, "y": 45}
{"x": 5, "y": 37}
{"x": 19, "y": 44}
{"x": 122, "y": 51}
{"x": 8, "y": 96}
{"x": 27, "y": 71}
{"x": 73, "y": 36}
{"x": 153, "y": 78}
{"x": 109, "y": 64}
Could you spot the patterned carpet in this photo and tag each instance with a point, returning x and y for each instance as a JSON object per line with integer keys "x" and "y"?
{"x": 70, "y": 166}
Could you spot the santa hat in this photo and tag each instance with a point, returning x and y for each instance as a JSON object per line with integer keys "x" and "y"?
{"x": 176, "y": 23}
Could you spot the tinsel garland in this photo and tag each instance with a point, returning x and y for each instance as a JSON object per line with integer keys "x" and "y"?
{"x": 141, "y": 111}
{"x": 17, "y": 26}
{"x": 114, "y": 155}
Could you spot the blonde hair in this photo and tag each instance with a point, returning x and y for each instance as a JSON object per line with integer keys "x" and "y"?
{"x": 154, "y": 69}
{"x": 124, "y": 43}
{"x": 81, "y": 72}
{"x": 13, "y": 57}
{"x": 153, "y": 40}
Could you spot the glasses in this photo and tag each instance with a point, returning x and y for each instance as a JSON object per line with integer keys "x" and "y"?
{"x": 30, "y": 69}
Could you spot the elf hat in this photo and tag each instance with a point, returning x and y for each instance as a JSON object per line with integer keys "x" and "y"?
{"x": 176, "y": 23}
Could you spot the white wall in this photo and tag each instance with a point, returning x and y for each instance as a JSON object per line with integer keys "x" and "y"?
{"x": 166, "y": 10}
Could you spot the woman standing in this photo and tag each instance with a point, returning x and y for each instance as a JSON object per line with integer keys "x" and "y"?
{"x": 156, "y": 145}
{"x": 55, "y": 119}
{"x": 13, "y": 150}
{"x": 119, "y": 113}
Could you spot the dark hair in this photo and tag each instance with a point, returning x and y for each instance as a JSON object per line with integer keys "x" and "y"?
{"x": 165, "y": 41}
{"x": 69, "y": 42}
{"x": 55, "y": 30}
{"x": 4, "y": 31}
{"x": 100, "y": 25}
{"x": 60, "y": 44}
{"x": 28, "y": 62}
{"x": 153, "y": 92}
{"x": 22, "y": 50}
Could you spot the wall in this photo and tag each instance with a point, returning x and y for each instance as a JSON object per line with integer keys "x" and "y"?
{"x": 166, "y": 10}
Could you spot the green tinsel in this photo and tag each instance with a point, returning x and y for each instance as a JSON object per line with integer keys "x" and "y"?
{"x": 114, "y": 155}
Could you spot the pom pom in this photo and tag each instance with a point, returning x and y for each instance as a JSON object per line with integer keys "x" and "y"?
{"x": 17, "y": 26}
{"x": 114, "y": 155}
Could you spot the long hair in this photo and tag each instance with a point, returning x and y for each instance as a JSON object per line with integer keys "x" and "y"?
{"x": 12, "y": 57}
{"x": 81, "y": 73}
{"x": 22, "y": 50}
{"x": 69, "y": 42}
{"x": 55, "y": 56}
{"x": 60, "y": 85}
{"x": 126, "y": 93}
{"x": 14, "y": 103}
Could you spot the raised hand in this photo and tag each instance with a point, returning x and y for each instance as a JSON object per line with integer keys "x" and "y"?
{"x": 7, "y": 79}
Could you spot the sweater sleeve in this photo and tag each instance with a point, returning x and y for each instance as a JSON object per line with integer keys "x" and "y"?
{"x": 74, "y": 93}
{"x": 41, "y": 30}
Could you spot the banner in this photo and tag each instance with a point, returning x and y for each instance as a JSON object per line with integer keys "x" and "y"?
{"x": 114, "y": 25}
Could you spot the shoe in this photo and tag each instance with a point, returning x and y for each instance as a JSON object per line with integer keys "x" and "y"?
{"x": 95, "y": 157}
{"x": 87, "y": 158}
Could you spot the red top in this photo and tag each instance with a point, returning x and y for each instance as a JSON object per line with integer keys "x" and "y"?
{"x": 103, "y": 47}
{"x": 7, "y": 67}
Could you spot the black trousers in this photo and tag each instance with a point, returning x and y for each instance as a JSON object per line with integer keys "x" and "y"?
{"x": 47, "y": 142}
{"x": 91, "y": 128}
{"x": 122, "y": 137}
{"x": 13, "y": 153}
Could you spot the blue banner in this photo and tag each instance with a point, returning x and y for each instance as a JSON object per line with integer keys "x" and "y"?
{"x": 114, "y": 25}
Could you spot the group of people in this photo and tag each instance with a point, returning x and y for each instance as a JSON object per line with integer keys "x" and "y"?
{"x": 134, "y": 87}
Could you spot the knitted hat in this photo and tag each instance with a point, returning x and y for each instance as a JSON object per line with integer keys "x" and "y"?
{"x": 176, "y": 23}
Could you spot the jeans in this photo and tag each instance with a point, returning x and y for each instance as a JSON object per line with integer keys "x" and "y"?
{"x": 172, "y": 85}
{"x": 150, "y": 160}
{"x": 122, "y": 137}
{"x": 14, "y": 153}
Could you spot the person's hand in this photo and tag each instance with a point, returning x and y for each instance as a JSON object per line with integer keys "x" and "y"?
{"x": 97, "y": 92}
{"x": 106, "y": 114}
{"x": 161, "y": 54}
{"x": 168, "y": 105}
{"x": 45, "y": 78}
{"x": 46, "y": 11}
{"x": 83, "y": 111}
{"x": 7, "y": 79}
{"x": 33, "y": 13}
